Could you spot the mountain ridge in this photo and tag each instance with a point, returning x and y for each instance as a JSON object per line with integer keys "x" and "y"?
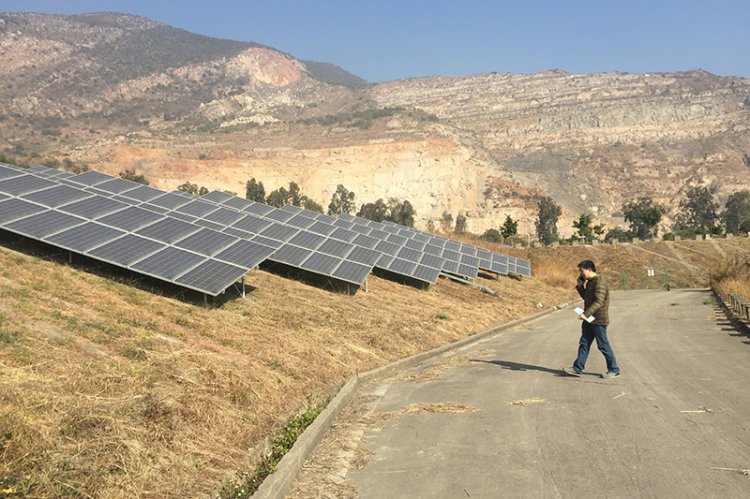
{"x": 218, "y": 112}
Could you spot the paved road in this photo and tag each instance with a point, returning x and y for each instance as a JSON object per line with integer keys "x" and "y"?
{"x": 497, "y": 419}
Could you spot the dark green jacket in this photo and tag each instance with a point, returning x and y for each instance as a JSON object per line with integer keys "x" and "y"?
{"x": 595, "y": 296}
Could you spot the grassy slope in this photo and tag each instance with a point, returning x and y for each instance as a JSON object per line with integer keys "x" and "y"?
{"x": 108, "y": 389}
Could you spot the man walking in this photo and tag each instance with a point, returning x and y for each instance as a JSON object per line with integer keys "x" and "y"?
{"x": 595, "y": 294}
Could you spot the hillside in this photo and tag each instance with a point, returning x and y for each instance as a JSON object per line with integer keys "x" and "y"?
{"x": 116, "y": 92}
{"x": 115, "y": 387}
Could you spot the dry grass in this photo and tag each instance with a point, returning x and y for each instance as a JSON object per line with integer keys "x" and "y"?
{"x": 733, "y": 277}
{"x": 108, "y": 389}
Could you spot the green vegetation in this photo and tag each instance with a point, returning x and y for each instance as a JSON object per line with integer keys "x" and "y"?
{"x": 249, "y": 483}
{"x": 402, "y": 213}
{"x": 698, "y": 213}
{"x": 342, "y": 201}
{"x": 193, "y": 189}
{"x": 460, "y": 227}
{"x": 546, "y": 224}
{"x": 509, "y": 228}
{"x": 586, "y": 229}
{"x": 736, "y": 214}
{"x": 644, "y": 216}
{"x": 133, "y": 176}
{"x": 254, "y": 191}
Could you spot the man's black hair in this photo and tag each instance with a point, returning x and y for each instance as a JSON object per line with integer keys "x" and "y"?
{"x": 587, "y": 264}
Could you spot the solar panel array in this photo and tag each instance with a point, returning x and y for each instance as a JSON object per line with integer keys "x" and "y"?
{"x": 51, "y": 208}
{"x": 189, "y": 241}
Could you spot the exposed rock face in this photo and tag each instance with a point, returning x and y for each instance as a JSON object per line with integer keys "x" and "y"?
{"x": 120, "y": 92}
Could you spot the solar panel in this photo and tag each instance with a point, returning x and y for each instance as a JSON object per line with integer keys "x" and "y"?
{"x": 169, "y": 200}
{"x": 43, "y": 224}
{"x": 402, "y": 266}
{"x": 143, "y": 193}
{"x": 168, "y": 230}
{"x": 253, "y": 224}
{"x": 6, "y": 172}
{"x": 123, "y": 199}
{"x": 433, "y": 250}
{"x": 428, "y": 274}
{"x": 217, "y": 196}
{"x": 84, "y": 237}
{"x": 93, "y": 207}
{"x": 130, "y": 219}
{"x": 210, "y": 225}
{"x": 432, "y": 261}
{"x": 242, "y": 204}
{"x": 336, "y": 248}
{"x": 344, "y": 234}
{"x": 57, "y": 196}
{"x": 182, "y": 216}
{"x": 14, "y": 209}
{"x": 321, "y": 264}
{"x": 389, "y": 248}
{"x": 415, "y": 245}
{"x": 366, "y": 241}
{"x": 126, "y": 250}
{"x": 396, "y": 239}
{"x": 279, "y": 215}
{"x": 364, "y": 255}
{"x": 307, "y": 240}
{"x": 301, "y": 221}
{"x": 211, "y": 277}
{"x": 197, "y": 208}
{"x": 467, "y": 270}
{"x": 91, "y": 178}
{"x": 168, "y": 263}
{"x": 207, "y": 242}
{"x": 291, "y": 255}
{"x": 224, "y": 216}
{"x": 279, "y": 232}
{"x": 409, "y": 254}
{"x": 272, "y": 243}
{"x": 352, "y": 272}
{"x": 17, "y": 186}
{"x": 245, "y": 254}
{"x": 117, "y": 185}
{"x": 156, "y": 209}
{"x": 323, "y": 228}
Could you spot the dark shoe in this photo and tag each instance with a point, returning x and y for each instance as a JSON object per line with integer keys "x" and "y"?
{"x": 610, "y": 374}
{"x": 570, "y": 371}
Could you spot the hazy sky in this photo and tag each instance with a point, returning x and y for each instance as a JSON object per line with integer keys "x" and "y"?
{"x": 381, "y": 40}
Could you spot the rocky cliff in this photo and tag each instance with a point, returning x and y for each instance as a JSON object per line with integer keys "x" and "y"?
{"x": 120, "y": 92}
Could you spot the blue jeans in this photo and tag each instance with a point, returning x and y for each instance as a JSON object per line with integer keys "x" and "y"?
{"x": 588, "y": 333}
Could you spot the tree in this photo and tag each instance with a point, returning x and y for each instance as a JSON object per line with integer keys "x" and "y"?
{"x": 644, "y": 216}
{"x": 188, "y": 187}
{"x": 377, "y": 211}
{"x": 736, "y": 214}
{"x": 309, "y": 204}
{"x": 698, "y": 212}
{"x": 278, "y": 198}
{"x": 618, "y": 234}
{"x": 492, "y": 235}
{"x": 546, "y": 223}
{"x": 295, "y": 196}
{"x": 342, "y": 201}
{"x": 509, "y": 228}
{"x": 132, "y": 176}
{"x": 254, "y": 191}
{"x": 402, "y": 213}
{"x": 460, "y": 224}
{"x": 586, "y": 227}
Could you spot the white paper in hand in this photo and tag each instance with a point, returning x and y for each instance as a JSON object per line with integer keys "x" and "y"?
{"x": 579, "y": 311}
